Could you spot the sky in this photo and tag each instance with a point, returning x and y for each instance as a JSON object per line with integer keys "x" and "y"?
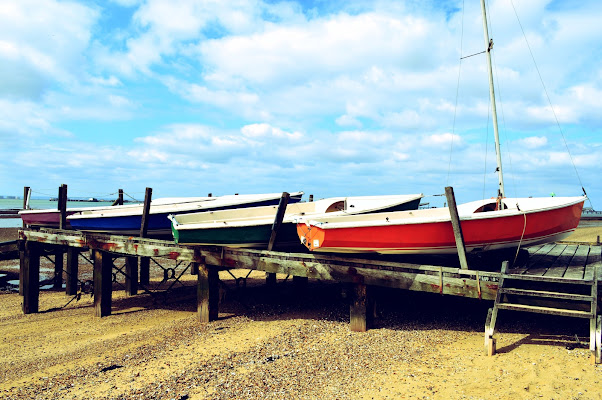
{"x": 330, "y": 97}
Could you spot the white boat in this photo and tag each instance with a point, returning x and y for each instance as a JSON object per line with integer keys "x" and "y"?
{"x": 126, "y": 220}
{"x": 251, "y": 227}
{"x": 50, "y": 217}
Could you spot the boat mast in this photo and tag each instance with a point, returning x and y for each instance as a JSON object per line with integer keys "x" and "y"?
{"x": 489, "y": 45}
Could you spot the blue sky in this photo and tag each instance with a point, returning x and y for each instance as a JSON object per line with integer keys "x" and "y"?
{"x": 328, "y": 97}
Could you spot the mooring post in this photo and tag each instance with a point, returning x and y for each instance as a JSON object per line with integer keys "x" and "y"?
{"x": 270, "y": 277}
{"x": 103, "y": 282}
{"x": 30, "y": 271}
{"x": 207, "y": 293}
{"x": 72, "y": 271}
{"x": 62, "y": 206}
{"x": 26, "y": 197}
{"x": 131, "y": 278}
{"x": 361, "y": 310}
{"x": 145, "y": 261}
{"x": 455, "y": 220}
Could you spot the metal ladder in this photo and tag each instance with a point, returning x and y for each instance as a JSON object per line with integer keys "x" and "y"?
{"x": 515, "y": 292}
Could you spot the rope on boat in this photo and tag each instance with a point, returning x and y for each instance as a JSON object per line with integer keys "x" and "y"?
{"x": 522, "y": 234}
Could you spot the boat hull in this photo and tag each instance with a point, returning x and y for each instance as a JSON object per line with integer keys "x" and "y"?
{"x": 485, "y": 233}
{"x": 158, "y": 223}
{"x": 48, "y": 218}
{"x": 241, "y": 236}
{"x": 252, "y": 227}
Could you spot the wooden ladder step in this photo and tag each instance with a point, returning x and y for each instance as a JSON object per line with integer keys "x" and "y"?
{"x": 545, "y": 310}
{"x": 543, "y": 293}
{"x": 536, "y": 278}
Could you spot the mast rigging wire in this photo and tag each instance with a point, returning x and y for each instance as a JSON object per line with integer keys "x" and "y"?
{"x": 550, "y": 102}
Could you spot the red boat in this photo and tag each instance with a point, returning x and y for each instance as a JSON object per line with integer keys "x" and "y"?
{"x": 485, "y": 226}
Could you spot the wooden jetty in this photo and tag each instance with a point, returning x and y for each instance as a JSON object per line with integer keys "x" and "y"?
{"x": 559, "y": 279}
{"x": 563, "y": 266}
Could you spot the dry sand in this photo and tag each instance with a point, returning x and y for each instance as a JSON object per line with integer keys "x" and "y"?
{"x": 280, "y": 345}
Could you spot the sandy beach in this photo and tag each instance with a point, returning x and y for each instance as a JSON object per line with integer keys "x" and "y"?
{"x": 284, "y": 345}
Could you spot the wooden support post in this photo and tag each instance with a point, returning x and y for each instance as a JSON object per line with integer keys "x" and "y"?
{"x": 131, "y": 279}
{"x": 119, "y": 200}
{"x": 492, "y": 314}
{"x": 593, "y": 322}
{"x": 207, "y": 293}
{"x": 103, "y": 282}
{"x": 145, "y": 261}
{"x": 30, "y": 270}
{"x": 270, "y": 276}
{"x": 278, "y": 219}
{"x": 455, "y": 220}
{"x": 58, "y": 269}
{"x": 72, "y": 271}
{"x": 311, "y": 198}
{"x": 62, "y": 206}
{"x": 361, "y": 311}
{"x": 26, "y": 197}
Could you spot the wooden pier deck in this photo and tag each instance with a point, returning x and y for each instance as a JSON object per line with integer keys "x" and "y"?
{"x": 564, "y": 263}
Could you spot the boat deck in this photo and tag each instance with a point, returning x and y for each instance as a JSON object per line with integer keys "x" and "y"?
{"x": 568, "y": 261}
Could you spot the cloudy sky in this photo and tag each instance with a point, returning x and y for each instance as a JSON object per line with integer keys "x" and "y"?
{"x": 329, "y": 97}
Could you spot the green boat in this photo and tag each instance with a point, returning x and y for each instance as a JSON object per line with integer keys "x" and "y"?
{"x": 252, "y": 227}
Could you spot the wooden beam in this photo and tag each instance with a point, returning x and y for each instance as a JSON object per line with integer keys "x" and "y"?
{"x": 457, "y": 227}
{"x": 361, "y": 312}
{"x": 72, "y": 271}
{"x": 145, "y": 261}
{"x": 30, "y": 270}
{"x": 62, "y": 206}
{"x": 278, "y": 219}
{"x": 148, "y": 194}
{"x": 207, "y": 293}
{"x": 131, "y": 279}
{"x": 58, "y": 269}
{"x": 103, "y": 281}
{"x": 271, "y": 277}
{"x": 26, "y": 197}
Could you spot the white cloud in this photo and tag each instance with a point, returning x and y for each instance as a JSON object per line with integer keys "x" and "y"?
{"x": 534, "y": 142}
{"x": 41, "y": 45}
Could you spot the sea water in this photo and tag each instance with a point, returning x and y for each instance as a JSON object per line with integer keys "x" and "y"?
{"x": 40, "y": 204}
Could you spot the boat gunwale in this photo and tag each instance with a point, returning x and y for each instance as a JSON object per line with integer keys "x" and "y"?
{"x": 388, "y": 219}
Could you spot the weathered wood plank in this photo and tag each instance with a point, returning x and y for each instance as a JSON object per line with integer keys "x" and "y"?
{"x": 59, "y": 261}
{"x": 456, "y": 226}
{"x": 270, "y": 278}
{"x": 559, "y": 266}
{"x": 541, "y": 264}
{"x": 26, "y": 197}
{"x": 535, "y": 252}
{"x": 593, "y": 259}
{"x": 576, "y": 267}
{"x": 207, "y": 293}
{"x": 72, "y": 270}
{"x": 103, "y": 281}
{"x": 62, "y": 206}
{"x": 131, "y": 279}
{"x": 30, "y": 270}
{"x": 360, "y": 315}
